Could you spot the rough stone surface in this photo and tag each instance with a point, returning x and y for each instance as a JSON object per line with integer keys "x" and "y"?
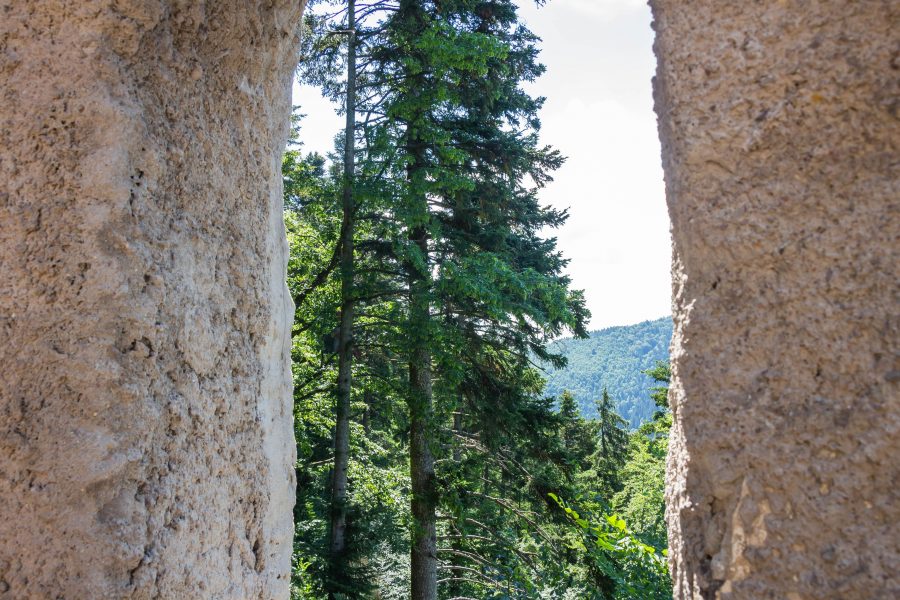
{"x": 780, "y": 131}
{"x": 146, "y": 445}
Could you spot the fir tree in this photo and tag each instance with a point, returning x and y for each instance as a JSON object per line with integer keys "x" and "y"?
{"x": 612, "y": 447}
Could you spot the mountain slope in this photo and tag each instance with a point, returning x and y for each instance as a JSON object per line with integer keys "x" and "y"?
{"x": 613, "y": 358}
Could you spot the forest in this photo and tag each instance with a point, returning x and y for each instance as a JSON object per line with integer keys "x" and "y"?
{"x": 432, "y": 461}
{"x": 614, "y": 359}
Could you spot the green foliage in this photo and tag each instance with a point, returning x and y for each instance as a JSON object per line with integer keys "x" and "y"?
{"x": 660, "y": 374}
{"x": 633, "y": 468}
{"x": 638, "y": 569}
{"x": 612, "y": 446}
{"x": 614, "y": 359}
{"x": 640, "y": 500}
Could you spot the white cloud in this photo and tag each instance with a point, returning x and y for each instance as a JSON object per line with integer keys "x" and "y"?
{"x": 606, "y": 10}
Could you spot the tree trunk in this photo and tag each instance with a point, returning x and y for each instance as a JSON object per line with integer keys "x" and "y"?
{"x": 338, "y": 541}
{"x": 423, "y": 556}
{"x": 423, "y": 552}
{"x": 455, "y": 588}
{"x": 423, "y": 549}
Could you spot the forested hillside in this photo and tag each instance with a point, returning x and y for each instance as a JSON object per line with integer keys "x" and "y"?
{"x": 612, "y": 358}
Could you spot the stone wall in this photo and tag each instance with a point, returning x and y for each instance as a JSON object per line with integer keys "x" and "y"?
{"x": 146, "y": 445}
{"x": 780, "y": 131}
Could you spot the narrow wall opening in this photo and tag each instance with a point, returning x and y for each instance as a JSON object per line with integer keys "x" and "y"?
{"x": 520, "y": 379}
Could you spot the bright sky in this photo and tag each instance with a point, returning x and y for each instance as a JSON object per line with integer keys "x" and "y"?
{"x": 599, "y": 113}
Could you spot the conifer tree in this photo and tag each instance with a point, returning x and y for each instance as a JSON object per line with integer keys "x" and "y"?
{"x": 460, "y": 232}
{"x": 579, "y": 436}
{"x": 612, "y": 447}
{"x": 338, "y": 537}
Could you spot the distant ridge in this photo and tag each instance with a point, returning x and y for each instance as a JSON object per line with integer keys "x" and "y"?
{"x": 613, "y": 357}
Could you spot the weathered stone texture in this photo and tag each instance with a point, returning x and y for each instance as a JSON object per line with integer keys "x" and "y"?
{"x": 780, "y": 131}
{"x": 146, "y": 445}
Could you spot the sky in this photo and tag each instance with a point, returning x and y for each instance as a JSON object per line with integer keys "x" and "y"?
{"x": 599, "y": 114}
